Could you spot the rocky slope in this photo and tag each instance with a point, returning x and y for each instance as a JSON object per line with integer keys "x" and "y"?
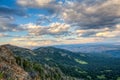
{"x": 9, "y": 68}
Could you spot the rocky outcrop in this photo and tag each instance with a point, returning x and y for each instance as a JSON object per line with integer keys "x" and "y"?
{"x": 9, "y": 69}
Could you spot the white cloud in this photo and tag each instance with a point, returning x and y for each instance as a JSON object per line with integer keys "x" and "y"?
{"x": 33, "y": 3}
{"x": 52, "y": 29}
{"x": 89, "y": 32}
{"x": 109, "y": 33}
{"x": 58, "y": 27}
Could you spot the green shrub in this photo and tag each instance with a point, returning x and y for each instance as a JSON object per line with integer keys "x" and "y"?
{"x": 1, "y": 75}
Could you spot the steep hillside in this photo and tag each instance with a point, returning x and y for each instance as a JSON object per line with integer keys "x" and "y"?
{"x": 9, "y": 68}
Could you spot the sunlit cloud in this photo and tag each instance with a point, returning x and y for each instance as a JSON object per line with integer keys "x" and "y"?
{"x": 52, "y": 22}
{"x": 33, "y": 3}
{"x": 52, "y": 29}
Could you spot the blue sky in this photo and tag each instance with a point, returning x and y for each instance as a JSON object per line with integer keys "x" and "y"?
{"x": 30, "y": 23}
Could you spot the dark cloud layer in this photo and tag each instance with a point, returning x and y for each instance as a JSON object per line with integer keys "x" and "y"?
{"x": 96, "y": 16}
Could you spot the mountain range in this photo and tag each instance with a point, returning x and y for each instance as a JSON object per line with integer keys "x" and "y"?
{"x": 53, "y": 63}
{"x": 109, "y": 49}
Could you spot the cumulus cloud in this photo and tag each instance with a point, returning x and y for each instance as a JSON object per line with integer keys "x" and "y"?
{"x": 51, "y": 6}
{"x": 89, "y": 32}
{"x": 94, "y": 14}
{"x": 105, "y": 32}
{"x": 86, "y": 14}
{"x": 54, "y": 29}
{"x": 76, "y": 21}
{"x": 98, "y": 15}
{"x": 34, "y": 3}
{"x": 59, "y": 28}
{"x": 110, "y": 34}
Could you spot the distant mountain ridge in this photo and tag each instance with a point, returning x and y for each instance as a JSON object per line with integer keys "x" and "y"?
{"x": 112, "y": 50}
{"x": 88, "y": 48}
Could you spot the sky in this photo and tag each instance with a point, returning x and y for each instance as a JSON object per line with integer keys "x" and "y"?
{"x": 30, "y": 23}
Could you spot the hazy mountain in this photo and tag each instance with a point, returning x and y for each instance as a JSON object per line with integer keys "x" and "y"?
{"x": 90, "y": 47}
{"x": 112, "y": 49}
